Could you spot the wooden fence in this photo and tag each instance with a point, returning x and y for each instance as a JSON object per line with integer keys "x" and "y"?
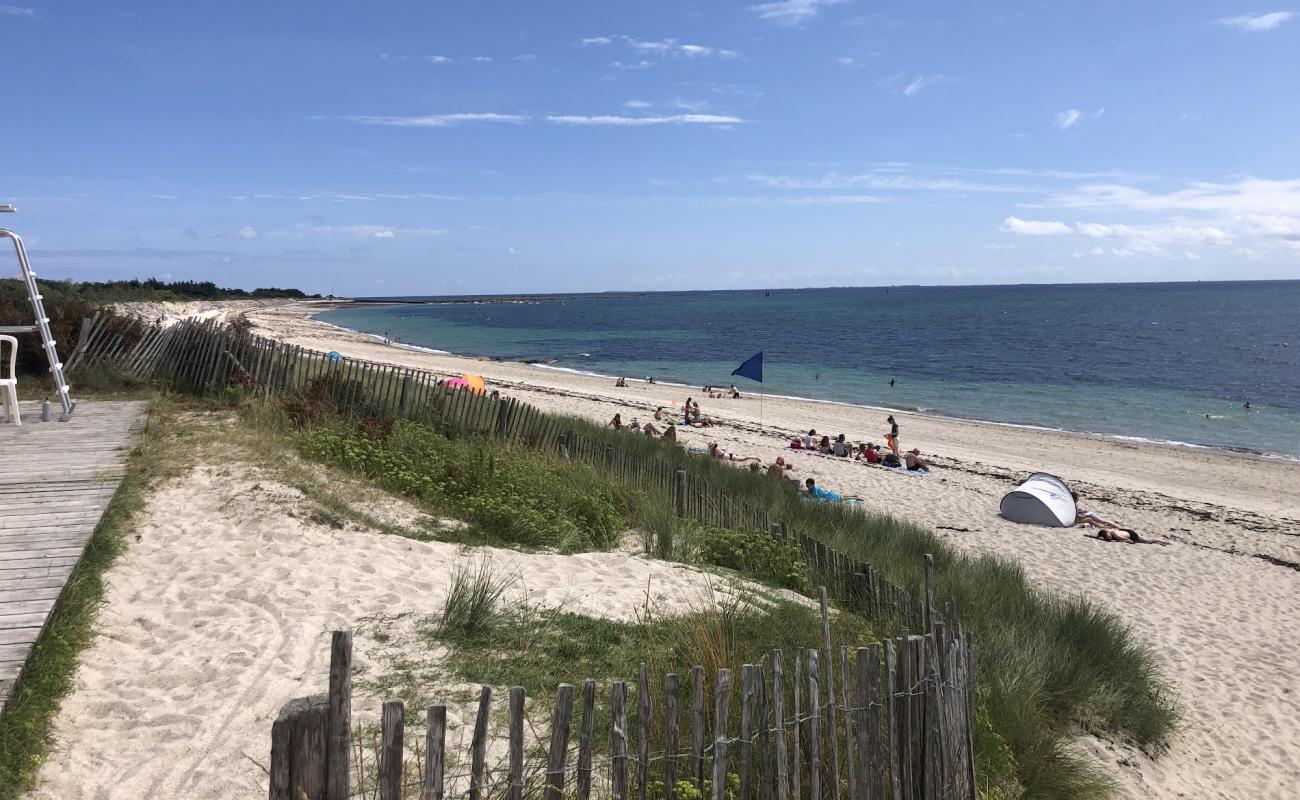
{"x": 889, "y": 722}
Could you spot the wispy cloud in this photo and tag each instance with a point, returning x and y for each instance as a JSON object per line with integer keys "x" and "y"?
{"x": 1030, "y": 227}
{"x": 1072, "y": 117}
{"x": 483, "y": 59}
{"x": 437, "y": 59}
{"x": 670, "y": 119}
{"x": 793, "y": 12}
{"x": 642, "y": 64}
{"x": 380, "y": 231}
{"x": 1067, "y": 119}
{"x": 920, "y": 82}
{"x": 435, "y": 120}
{"x": 17, "y": 11}
{"x": 636, "y": 104}
{"x": 1127, "y": 240}
{"x": 662, "y": 48}
{"x": 1254, "y": 23}
{"x": 883, "y": 178}
{"x": 802, "y": 200}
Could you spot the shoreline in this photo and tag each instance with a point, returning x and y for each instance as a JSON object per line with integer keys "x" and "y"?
{"x": 1234, "y": 450}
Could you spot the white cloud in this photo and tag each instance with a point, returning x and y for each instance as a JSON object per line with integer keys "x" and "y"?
{"x": 1150, "y": 236}
{"x": 636, "y": 104}
{"x": 845, "y": 61}
{"x": 670, "y": 119}
{"x": 802, "y": 200}
{"x": 483, "y": 59}
{"x": 920, "y": 82}
{"x": 1071, "y": 117}
{"x": 247, "y": 232}
{"x": 437, "y": 59}
{"x": 17, "y": 11}
{"x": 661, "y": 47}
{"x": 435, "y": 120}
{"x": 1246, "y": 196}
{"x": 883, "y": 178}
{"x": 1029, "y": 227}
{"x": 381, "y": 231}
{"x": 526, "y": 57}
{"x": 792, "y": 12}
{"x": 1067, "y": 119}
{"x": 642, "y": 64}
{"x": 689, "y": 105}
{"x": 1253, "y": 23}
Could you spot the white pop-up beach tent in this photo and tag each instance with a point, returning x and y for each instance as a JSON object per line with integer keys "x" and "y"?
{"x": 1042, "y": 500}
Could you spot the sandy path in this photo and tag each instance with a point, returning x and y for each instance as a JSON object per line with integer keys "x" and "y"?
{"x": 1217, "y": 615}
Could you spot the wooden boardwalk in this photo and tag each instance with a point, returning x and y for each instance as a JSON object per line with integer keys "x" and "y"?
{"x": 56, "y": 479}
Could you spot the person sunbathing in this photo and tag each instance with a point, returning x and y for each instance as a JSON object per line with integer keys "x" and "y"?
{"x": 1082, "y": 517}
{"x": 914, "y": 461}
{"x": 1123, "y": 535}
{"x": 670, "y": 433}
{"x": 617, "y": 422}
{"x": 779, "y": 468}
{"x": 649, "y": 429}
{"x": 621, "y": 383}
{"x": 818, "y": 493}
{"x": 717, "y": 452}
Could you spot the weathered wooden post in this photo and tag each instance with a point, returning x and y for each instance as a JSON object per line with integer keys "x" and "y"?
{"x": 560, "y": 721}
{"x": 681, "y": 492}
{"x": 929, "y": 593}
{"x": 721, "y": 709}
{"x": 339, "y": 717}
{"x": 298, "y": 760}
{"x": 404, "y": 402}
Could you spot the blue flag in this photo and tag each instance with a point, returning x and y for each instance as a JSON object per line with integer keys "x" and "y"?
{"x": 752, "y": 368}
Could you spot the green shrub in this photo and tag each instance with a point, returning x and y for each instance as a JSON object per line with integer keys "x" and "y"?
{"x": 519, "y": 497}
{"x": 754, "y": 553}
{"x": 472, "y": 607}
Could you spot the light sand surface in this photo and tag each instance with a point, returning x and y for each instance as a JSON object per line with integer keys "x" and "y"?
{"x": 1219, "y": 614}
{"x": 221, "y": 611}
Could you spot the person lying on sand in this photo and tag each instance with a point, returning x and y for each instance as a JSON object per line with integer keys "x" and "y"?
{"x": 649, "y": 429}
{"x": 818, "y": 493}
{"x": 1082, "y": 517}
{"x": 717, "y": 452}
{"x": 914, "y": 461}
{"x": 617, "y": 422}
{"x": 1123, "y": 535}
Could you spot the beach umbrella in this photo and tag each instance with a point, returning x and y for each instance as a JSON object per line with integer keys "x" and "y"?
{"x": 476, "y": 384}
{"x": 334, "y": 355}
{"x": 456, "y": 383}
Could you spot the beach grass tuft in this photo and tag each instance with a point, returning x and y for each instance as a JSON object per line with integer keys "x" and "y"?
{"x": 472, "y": 609}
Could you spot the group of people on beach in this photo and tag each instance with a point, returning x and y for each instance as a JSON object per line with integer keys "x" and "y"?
{"x": 867, "y": 452}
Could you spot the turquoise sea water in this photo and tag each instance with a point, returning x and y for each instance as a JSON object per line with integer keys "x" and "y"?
{"x": 1168, "y": 362}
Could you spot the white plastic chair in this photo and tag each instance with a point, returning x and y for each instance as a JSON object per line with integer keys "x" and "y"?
{"x": 9, "y": 386}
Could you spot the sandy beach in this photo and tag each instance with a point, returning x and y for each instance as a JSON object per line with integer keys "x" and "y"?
{"x": 221, "y": 611}
{"x": 1213, "y": 605}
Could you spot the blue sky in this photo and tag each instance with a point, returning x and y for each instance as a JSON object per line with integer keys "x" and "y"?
{"x": 435, "y": 147}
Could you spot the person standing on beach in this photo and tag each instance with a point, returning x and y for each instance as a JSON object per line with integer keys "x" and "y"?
{"x": 892, "y": 437}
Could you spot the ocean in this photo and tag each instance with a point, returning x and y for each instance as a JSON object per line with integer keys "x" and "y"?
{"x": 1172, "y": 362}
